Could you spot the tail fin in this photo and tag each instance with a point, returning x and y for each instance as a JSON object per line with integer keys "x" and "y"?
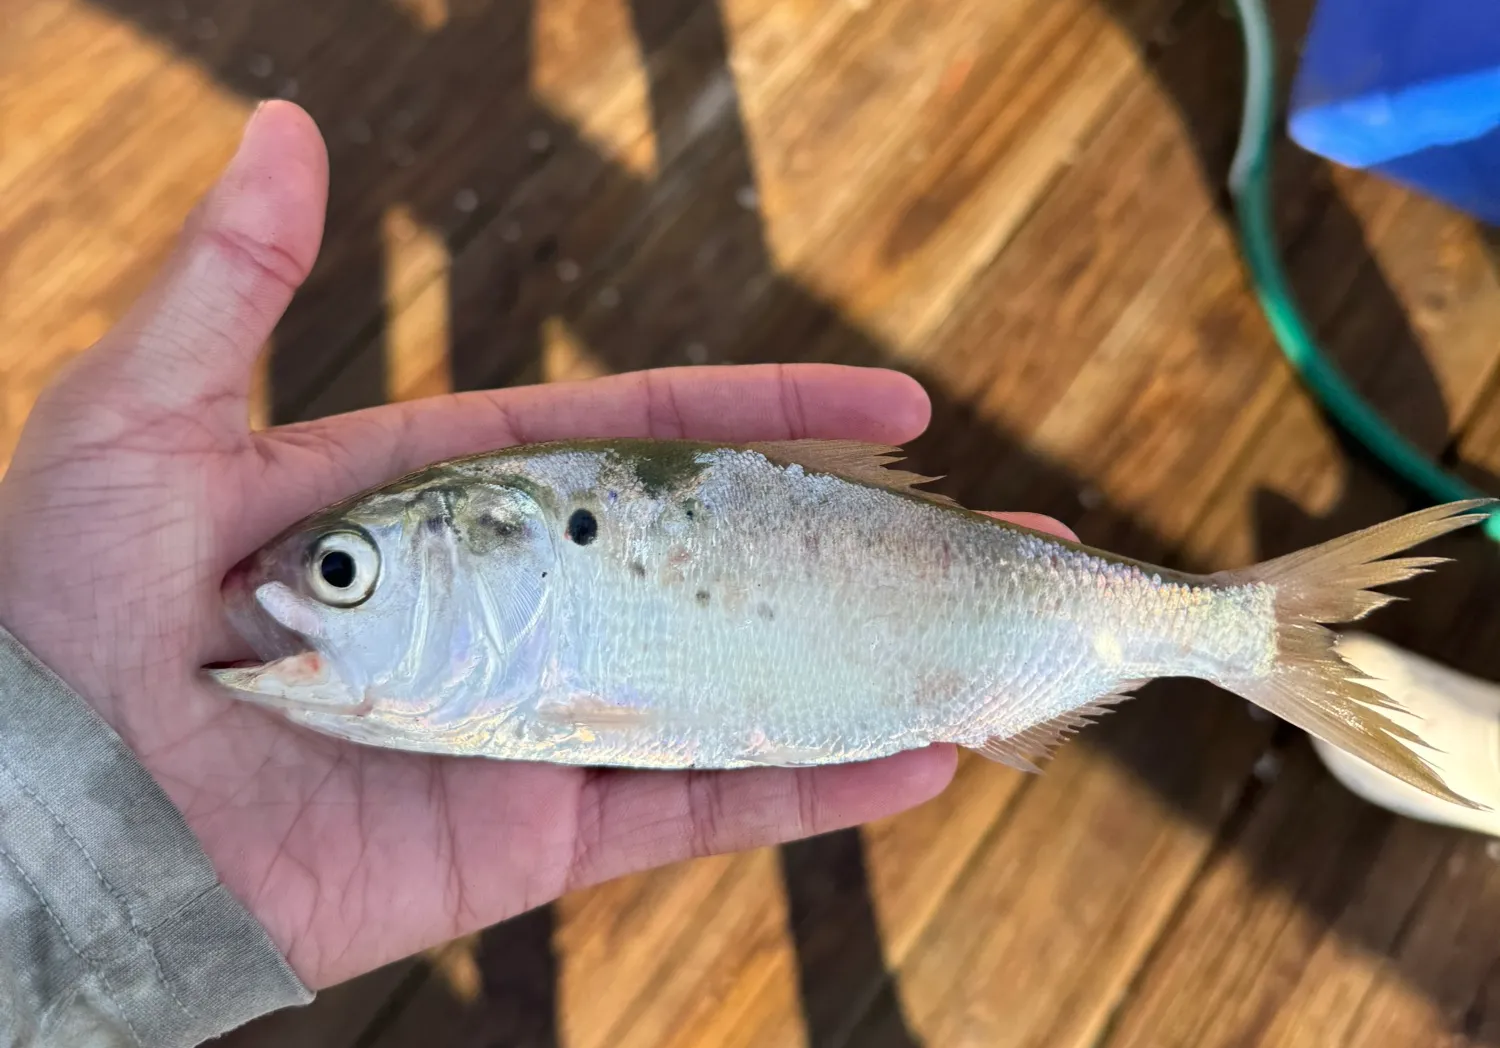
{"x": 1312, "y": 685}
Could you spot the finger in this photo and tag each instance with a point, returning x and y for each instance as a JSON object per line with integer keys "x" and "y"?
{"x": 318, "y": 462}
{"x": 728, "y": 403}
{"x": 1037, "y": 522}
{"x": 630, "y": 821}
{"x": 189, "y": 343}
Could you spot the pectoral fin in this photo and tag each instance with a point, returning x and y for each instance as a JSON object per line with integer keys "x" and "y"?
{"x": 589, "y": 711}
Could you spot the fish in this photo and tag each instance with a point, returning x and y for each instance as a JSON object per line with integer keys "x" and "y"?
{"x": 664, "y": 604}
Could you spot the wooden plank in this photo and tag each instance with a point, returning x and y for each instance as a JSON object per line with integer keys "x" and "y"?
{"x": 778, "y": 979}
{"x": 603, "y": 1012}
{"x": 992, "y": 989}
{"x": 337, "y": 1018}
{"x": 1128, "y": 340}
{"x": 95, "y": 177}
{"x": 1012, "y": 106}
{"x": 1439, "y": 983}
{"x": 1139, "y": 939}
{"x": 1393, "y": 336}
{"x": 503, "y": 983}
{"x": 1341, "y": 971}
{"x": 934, "y": 855}
{"x": 1219, "y": 293}
{"x": 522, "y": 205}
{"x": 1286, "y": 941}
{"x": 52, "y": 269}
{"x": 750, "y": 907}
{"x": 1327, "y": 922}
{"x": 647, "y": 932}
{"x": 58, "y": 57}
{"x": 107, "y": 142}
{"x": 1250, "y": 925}
{"x": 706, "y": 302}
{"x": 740, "y": 309}
{"x": 1041, "y": 935}
{"x": 770, "y": 1019}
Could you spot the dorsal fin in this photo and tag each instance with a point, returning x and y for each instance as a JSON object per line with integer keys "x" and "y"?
{"x": 852, "y": 460}
{"x": 1037, "y": 743}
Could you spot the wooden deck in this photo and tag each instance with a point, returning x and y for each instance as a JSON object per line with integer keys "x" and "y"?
{"x": 1017, "y": 201}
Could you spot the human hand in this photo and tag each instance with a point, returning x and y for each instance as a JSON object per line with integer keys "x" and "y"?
{"x": 137, "y": 483}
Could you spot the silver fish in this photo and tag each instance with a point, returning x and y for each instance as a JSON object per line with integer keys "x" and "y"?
{"x": 670, "y": 604}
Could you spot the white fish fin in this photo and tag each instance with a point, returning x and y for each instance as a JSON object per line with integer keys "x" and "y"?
{"x": 1311, "y": 684}
{"x": 852, "y": 460}
{"x": 590, "y": 711}
{"x": 1040, "y": 741}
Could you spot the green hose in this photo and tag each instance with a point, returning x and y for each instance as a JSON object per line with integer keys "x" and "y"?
{"x": 1249, "y": 186}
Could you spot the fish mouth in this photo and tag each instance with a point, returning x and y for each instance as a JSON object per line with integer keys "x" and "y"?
{"x": 295, "y": 676}
{"x": 303, "y": 682}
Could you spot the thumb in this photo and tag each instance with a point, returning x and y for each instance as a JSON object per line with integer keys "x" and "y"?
{"x": 189, "y": 343}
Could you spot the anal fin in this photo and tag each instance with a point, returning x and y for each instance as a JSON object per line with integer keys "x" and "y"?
{"x": 780, "y": 756}
{"x": 1040, "y": 741}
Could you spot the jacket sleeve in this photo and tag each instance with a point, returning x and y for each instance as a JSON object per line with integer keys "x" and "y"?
{"x": 114, "y": 929}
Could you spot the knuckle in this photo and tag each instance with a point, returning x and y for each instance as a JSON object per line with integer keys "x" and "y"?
{"x": 591, "y": 821}
{"x": 265, "y": 260}
{"x": 793, "y": 413}
{"x": 809, "y": 802}
{"x": 705, "y": 815}
{"x": 663, "y": 415}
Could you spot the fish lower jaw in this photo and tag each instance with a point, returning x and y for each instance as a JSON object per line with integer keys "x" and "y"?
{"x": 304, "y": 681}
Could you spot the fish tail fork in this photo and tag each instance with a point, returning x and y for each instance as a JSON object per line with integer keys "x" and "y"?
{"x": 1310, "y": 684}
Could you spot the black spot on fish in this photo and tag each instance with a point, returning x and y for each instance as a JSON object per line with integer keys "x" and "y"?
{"x": 638, "y": 569}
{"x": 765, "y": 612}
{"x": 701, "y": 596}
{"x": 436, "y": 525}
{"x": 583, "y": 527}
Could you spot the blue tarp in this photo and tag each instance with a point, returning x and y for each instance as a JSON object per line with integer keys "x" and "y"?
{"x": 1407, "y": 88}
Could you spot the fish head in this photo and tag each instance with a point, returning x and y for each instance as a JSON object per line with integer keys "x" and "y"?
{"x": 402, "y": 614}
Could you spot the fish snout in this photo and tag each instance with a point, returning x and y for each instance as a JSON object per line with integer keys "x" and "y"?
{"x": 242, "y": 606}
{"x": 235, "y": 586}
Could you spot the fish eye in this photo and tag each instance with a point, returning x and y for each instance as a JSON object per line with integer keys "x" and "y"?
{"x": 337, "y": 569}
{"x": 343, "y": 568}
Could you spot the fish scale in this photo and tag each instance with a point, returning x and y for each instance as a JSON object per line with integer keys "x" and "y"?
{"x": 668, "y": 604}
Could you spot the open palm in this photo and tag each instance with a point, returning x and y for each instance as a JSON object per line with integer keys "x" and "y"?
{"x": 138, "y": 482}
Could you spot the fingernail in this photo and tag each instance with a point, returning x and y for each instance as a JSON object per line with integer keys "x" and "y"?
{"x": 255, "y": 115}
{"x": 227, "y": 181}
